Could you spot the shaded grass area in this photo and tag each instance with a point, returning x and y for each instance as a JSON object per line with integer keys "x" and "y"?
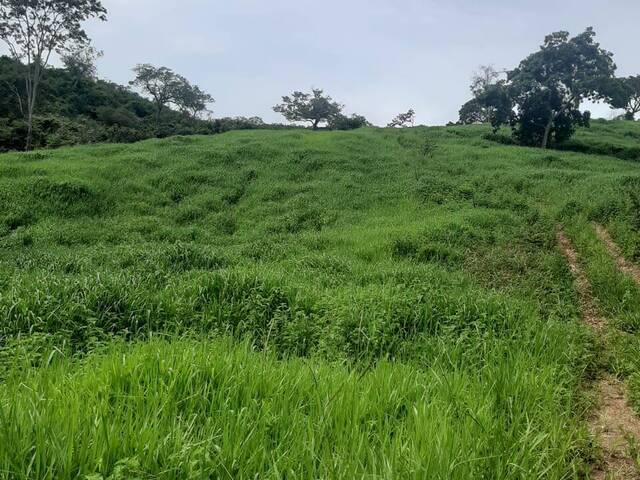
{"x": 392, "y": 305}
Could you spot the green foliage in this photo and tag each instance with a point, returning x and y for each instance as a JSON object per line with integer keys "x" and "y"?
{"x": 403, "y": 120}
{"x": 79, "y": 110}
{"x": 166, "y": 87}
{"x": 491, "y": 103}
{"x": 227, "y": 124}
{"x": 549, "y": 86}
{"x": 80, "y": 60}
{"x": 314, "y": 108}
{"x": 472, "y": 112}
{"x": 624, "y": 93}
{"x": 541, "y": 98}
{"x": 616, "y": 139}
{"x": 343, "y": 122}
{"x": 190, "y": 99}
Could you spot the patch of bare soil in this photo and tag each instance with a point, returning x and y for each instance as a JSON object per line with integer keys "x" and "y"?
{"x": 625, "y": 265}
{"x": 614, "y": 423}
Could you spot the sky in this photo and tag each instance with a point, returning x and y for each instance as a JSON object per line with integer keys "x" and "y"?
{"x": 377, "y": 57}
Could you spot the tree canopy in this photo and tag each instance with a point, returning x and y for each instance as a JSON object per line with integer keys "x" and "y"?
{"x": 80, "y": 61}
{"x": 549, "y": 86}
{"x": 160, "y": 83}
{"x": 314, "y": 108}
{"x": 490, "y": 102}
{"x": 190, "y": 99}
{"x": 624, "y": 93}
{"x": 541, "y": 98}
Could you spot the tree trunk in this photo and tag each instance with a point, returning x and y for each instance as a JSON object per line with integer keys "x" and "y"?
{"x": 547, "y": 132}
{"x": 315, "y": 124}
{"x": 31, "y": 106}
{"x": 158, "y": 113}
{"x": 29, "y": 144}
{"x": 32, "y": 85}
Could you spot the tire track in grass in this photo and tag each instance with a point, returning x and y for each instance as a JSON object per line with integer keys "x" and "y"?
{"x": 590, "y": 313}
{"x": 614, "y": 423}
{"x": 615, "y": 251}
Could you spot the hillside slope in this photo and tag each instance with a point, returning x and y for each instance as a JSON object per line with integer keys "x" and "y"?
{"x": 382, "y": 303}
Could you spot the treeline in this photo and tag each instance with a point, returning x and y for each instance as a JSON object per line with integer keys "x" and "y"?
{"x": 75, "y": 108}
{"x": 41, "y": 106}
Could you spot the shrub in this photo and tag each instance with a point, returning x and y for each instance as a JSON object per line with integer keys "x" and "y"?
{"x": 342, "y": 122}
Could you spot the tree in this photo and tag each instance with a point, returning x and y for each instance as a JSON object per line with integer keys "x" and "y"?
{"x": 549, "y": 86}
{"x": 403, "y": 120}
{"x": 497, "y": 105}
{"x": 483, "y": 78}
{"x": 80, "y": 62}
{"x": 624, "y": 93}
{"x": 488, "y": 103}
{"x": 190, "y": 99}
{"x": 161, "y": 83}
{"x": 35, "y": 29}
{"x": 472, "y": 112}
{"x": 314, "y": 108}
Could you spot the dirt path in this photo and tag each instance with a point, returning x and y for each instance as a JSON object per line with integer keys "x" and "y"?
{"x": 623, "y": 264}
{"x": 614, "y": 422}
{"x": 590, "y": 313}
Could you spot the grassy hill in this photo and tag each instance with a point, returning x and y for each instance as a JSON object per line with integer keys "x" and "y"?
{"x": 378, "y": 303}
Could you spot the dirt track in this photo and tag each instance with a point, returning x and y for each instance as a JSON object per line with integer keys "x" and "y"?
{"x": 623, "y": 264}
{"x": 613, "y": 422}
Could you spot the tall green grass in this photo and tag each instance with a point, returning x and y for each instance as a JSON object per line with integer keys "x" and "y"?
{"x": 369, "y": 304}
{"x": 211, "y": 409}
{"x": 618, "y": 297}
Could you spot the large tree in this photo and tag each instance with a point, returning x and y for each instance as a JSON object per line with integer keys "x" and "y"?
{"x": 190, "y": 99}
{"x": 314, "y": 108}
{"x": 80, "y": 62}
{"x": 549, "y": 86}
{"x": 160, "y": 83}
{"x": 483, "y": 78}
{"x": 489, "y": 102}
{"x": 35, "y": 29}
{"x": 165, "y": 87}
{"x": 624, "y": 93}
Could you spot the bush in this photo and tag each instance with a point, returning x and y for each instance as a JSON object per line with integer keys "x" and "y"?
{"x": 342, "y": 122}
{"x": 500, "y": 138}
{"x": 608, "y": 149}
{"x": 226, "y": 124}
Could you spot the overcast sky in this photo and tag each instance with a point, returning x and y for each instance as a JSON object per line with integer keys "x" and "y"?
{"x": 378, "y": 57}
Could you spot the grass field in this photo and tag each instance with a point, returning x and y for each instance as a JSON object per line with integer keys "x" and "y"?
{"x": 369, "y": 304}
